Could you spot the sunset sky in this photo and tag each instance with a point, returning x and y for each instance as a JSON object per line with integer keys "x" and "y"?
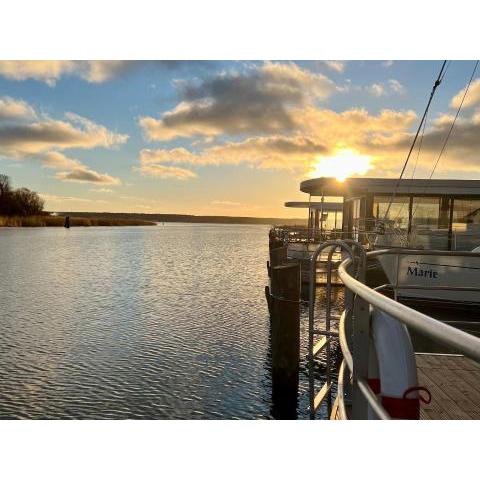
{"x": 221, "y": 137}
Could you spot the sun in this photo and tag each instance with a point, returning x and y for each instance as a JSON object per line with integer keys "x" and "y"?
{"x": 344, "y": 163}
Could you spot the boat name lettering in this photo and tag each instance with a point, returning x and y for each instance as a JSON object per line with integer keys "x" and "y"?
{"x": 419, "y": 272}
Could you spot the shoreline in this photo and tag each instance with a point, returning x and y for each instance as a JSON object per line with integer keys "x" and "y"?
{"x": 59, "y": 221}
{"x": 184, "y": 218}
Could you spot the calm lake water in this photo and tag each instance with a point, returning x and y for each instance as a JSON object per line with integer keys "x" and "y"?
{"x": 137, "y": 322}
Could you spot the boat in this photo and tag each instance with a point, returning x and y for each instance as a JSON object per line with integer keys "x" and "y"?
{"x": 431, "y": 232}
{"x": 324, "y": 222}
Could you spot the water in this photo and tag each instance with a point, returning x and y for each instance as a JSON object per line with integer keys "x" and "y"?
{"x": 137, "y": 322}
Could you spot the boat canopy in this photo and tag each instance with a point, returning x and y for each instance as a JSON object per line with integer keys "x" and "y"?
{"x": 323, "y": 206}
{"x": 352, "y": 187}
{"x": 435, "y": 214}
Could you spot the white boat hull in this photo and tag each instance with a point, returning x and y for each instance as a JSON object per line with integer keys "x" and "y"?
{"x": 440, "y": 278}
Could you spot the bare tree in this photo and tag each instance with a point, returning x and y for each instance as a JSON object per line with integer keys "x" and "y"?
{"x": 28, "y": 202}
{"x": 21, "y": 202}
{"x": 5, "y": 187}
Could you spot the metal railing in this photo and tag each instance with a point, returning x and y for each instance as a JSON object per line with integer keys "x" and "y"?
{"x": 316, "y": 346}
{"x": 354, "y": 392}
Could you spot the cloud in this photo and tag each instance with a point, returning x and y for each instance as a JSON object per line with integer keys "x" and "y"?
{"x": 58, "y": 161}
{"x": 387, "y": 63}
{"x": 102, "y": 190}
{"x": 325, "y": 131}
{"x": 20, "y": 139}
{"x": 60, "y": 198}
{"x": 335, "y": 65}
{"x": 48, "y": 71}
{"x": 227, "y": 203}
{"x": 27, "y": 135}
{"x": 270, "y": 117}
{"x": 396, "y": 86}
{"x": 12, "y": 109}
{"x": 93, "y": 71}
{"x": 258, "y": 100}
{"x": 376, "y": 89}
{"x": 85, "y": 175}
{"x": 263, "y": 152}
{"x": 461, "y": 153}
{"x": 168, "y": 172}
{"x": 391, "y": 87}
{"x": 471, "y": 100}
{"x": 101, "y": 71}
{"x": 73, "y": 170}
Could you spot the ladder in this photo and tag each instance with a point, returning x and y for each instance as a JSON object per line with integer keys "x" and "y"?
{"x": 320, "y": 339}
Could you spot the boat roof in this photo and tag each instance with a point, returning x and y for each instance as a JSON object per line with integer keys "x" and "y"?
{"x": 325, "y": 206}
{"x": 350, "y": 187}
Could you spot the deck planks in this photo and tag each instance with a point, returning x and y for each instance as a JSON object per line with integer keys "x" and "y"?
{"x": 454, "y": 382}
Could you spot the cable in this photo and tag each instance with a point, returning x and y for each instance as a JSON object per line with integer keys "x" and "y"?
{"x": 416, "y": 162}
{"x": 435, "y": 86}
{"x": 420, "y": 146}
{"x": 450, "y": 130}
{"x": 454, "y": 120}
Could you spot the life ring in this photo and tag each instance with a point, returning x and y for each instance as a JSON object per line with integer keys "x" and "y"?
{"x": 393, "y": 369}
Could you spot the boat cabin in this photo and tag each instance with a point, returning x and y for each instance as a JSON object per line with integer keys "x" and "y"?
{"x": 433, "y": 214}
{"x": 322, "y": 214}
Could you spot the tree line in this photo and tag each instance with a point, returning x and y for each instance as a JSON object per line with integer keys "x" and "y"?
{"x": 18, "y": 202}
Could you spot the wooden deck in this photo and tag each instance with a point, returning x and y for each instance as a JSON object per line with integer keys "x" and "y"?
{"x": 454, "y": 382}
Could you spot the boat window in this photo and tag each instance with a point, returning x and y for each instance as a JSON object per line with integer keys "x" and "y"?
{"x": 396, "y": 225}
{"x": 332, "y": 220}
{"x": 429, "y": 223}
{"x": 425, "y": 212}
{"x": 466, "y": 223}
{"x": 398, "y": 214}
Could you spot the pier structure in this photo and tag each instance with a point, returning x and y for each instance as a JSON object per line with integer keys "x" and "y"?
{"x": 451, "y": 381}
{"x": 283, "y": 299}
{"x": 433, "y": 227}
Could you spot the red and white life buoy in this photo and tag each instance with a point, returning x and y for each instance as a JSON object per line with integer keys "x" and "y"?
{"x": 392, "y": 368}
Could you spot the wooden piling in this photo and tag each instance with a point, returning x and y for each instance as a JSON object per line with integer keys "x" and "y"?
{"x": 278, "y": 256}
{"x": 285, "y": 326}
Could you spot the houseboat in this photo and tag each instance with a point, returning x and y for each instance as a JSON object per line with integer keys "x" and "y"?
{"x": 439, "y": 217}
{"x": 324, "y": 221}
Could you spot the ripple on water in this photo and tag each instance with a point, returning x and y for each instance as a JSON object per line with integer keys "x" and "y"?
{"x": 136, "y": 322}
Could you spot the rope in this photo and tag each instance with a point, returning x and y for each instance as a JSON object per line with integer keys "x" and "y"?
{"x": 281, "y": 299}
{"x": 437, "y": 83}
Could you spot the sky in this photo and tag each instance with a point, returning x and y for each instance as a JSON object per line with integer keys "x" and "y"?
{"x": 225, "y": 137}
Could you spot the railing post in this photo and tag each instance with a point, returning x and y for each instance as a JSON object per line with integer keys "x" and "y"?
{"x": 361, "y": 344}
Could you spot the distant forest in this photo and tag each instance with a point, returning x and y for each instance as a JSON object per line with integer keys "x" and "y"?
{"x": 22, "y": 202}
{"x": 18, "y": 202}
{"x": 169, "y": 217}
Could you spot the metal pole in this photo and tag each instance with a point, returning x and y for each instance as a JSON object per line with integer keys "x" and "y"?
{"x": 361, "y": 344}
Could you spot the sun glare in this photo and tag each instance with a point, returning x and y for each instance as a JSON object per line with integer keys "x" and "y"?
{"x": 342, "y": 164}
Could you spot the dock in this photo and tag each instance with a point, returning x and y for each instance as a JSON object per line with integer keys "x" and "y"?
{"x": 454, "y": 382}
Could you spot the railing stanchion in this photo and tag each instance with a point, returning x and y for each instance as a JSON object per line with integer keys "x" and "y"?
{"x": 361, "y": 343}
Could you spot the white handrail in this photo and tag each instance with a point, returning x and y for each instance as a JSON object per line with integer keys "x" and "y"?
{"x": 465, "y": 343}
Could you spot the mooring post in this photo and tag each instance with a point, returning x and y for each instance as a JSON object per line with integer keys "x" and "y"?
{"x": 278, "y": 256}
{"x": 285, "y": 334}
